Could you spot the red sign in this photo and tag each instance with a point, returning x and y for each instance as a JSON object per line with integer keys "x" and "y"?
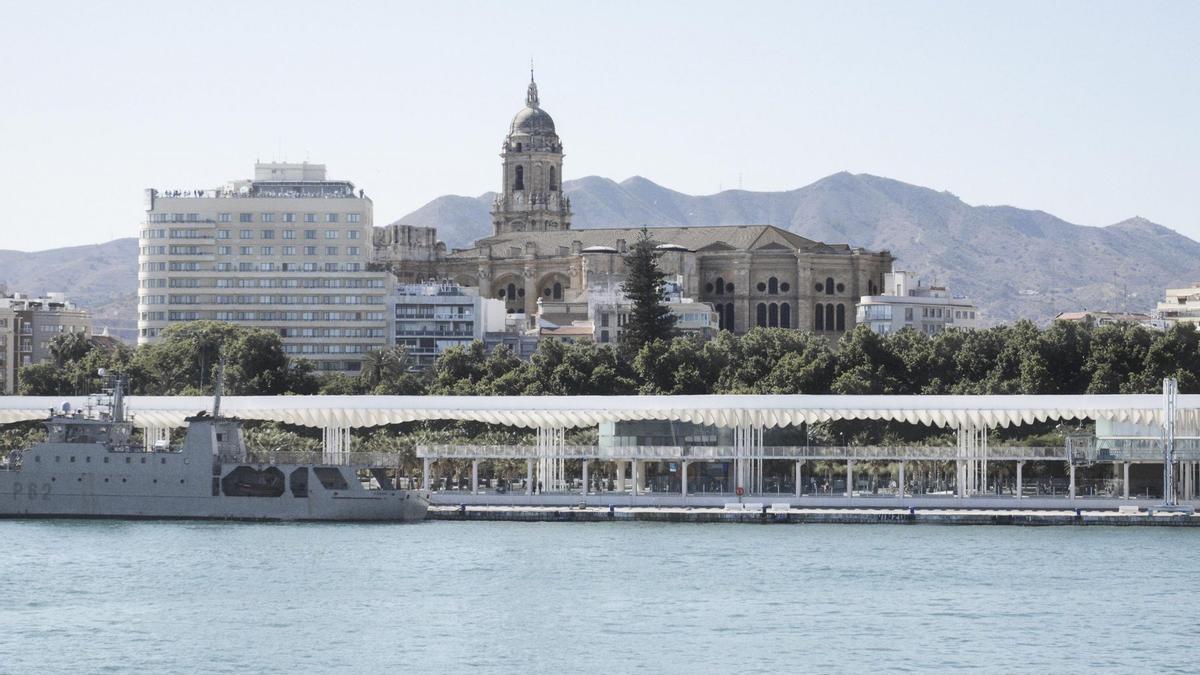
{"x": 741, "y": 491}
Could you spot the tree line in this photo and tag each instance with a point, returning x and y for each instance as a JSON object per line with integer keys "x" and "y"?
{"x": 1021, "y": 358}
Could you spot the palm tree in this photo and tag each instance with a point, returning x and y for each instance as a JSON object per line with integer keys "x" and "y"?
{"x": 68, "y": 347}
{"x": 382, "y": 365}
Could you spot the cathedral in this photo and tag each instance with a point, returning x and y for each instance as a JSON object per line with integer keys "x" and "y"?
{"x": 752, "y": 275}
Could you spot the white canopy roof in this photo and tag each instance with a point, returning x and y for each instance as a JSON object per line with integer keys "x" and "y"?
{"x": 583, "y": 411}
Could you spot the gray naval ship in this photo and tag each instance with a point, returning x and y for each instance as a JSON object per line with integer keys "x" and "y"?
{"x": 88, "y": 468}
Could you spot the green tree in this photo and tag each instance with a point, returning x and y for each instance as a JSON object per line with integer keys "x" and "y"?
{"x": 68, "y": 347}
{"x": 649, "y": 318}
{"x": 44, "y": 379}
{"x": 186, "y": 358}
{"x": 867, "y": 365}
{"x": 1115, "y": 358}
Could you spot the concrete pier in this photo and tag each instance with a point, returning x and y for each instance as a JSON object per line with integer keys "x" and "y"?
{"x": 766, "y": 514}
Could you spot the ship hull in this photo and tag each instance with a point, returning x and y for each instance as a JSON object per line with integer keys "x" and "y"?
{"x": 17, "y": 500}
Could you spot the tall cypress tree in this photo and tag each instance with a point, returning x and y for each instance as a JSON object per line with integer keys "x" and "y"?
{"x": 649, "y": 319}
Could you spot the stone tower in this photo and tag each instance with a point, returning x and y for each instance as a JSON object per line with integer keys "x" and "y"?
{"x": 531, "y": 199}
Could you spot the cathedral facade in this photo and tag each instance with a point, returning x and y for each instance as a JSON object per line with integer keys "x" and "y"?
{"x": 753, "y": 275}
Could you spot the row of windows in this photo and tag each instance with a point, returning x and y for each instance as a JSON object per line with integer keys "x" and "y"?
{"x": 274, "y": 316}
{"x": 193, "y": 282}
{"x": 88, "y": 459}
{"x": 270, "y": 250}
{"x": 262, "y": 300}
{"x": 332, "y": 332}
{"x": 719, "y": 287}
{"x": 249, "y": 217}
{"x": 773, "y": 315}
{"x": 327, "y": 349}
{"x": 829, "y": 317}
{"x": 772, "y": 286}
{"x": 288, "y": 234}
{"x": 282, "y": 267}
{"x": 829, "y": 286}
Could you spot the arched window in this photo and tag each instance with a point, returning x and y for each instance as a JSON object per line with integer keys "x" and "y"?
{"x": 773, "y": 315}
{"x": 761, "y": 318}
{"x": 512, "y": 291}
{"x": 553, "y": 180}
{"x": 819, "y": 317}
{"x": 773, "y": 286}
{"x": 870, "y": 287}
{"x": 829, "y": 324}
{"x": 720, "y": 286}
{"x": 785, "y": 315}
{"x": 841, "y": 317}
{"x": 828, "y": 285}
{"x": 518, "y": 147}
{"x": 519, "y": 184}
{"x": 708, "y": 288}
{"x": 557, "y": 291}
{"x": 729, "y": 323}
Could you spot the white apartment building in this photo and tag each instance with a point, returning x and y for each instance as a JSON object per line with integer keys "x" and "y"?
{"x": 28, "y": 325}
{"x": 434, "y": 316}
{"x": 287, "y": 251}
{"x": 609, "y": 310}
{"x": 928, "y": 309}
{"x": 1182, "y": 305}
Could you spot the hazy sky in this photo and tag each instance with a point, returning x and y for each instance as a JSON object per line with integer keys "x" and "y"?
{"x": 1088, "y": 110}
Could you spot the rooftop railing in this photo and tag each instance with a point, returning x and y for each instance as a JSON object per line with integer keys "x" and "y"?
{"x": 709, "y": 452}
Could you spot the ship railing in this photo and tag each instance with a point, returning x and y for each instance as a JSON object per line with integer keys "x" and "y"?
{"x": 366, "y": 460}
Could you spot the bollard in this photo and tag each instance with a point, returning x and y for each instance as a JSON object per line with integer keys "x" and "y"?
{"x": 612, "y": 511}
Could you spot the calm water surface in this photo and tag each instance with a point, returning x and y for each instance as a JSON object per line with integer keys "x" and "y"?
{"x": 547, "y": 597}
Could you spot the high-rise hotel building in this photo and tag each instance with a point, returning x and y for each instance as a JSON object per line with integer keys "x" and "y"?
{"x": 287, "y": 251}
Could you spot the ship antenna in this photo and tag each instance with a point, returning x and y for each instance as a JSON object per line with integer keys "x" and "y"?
{"x": 219, "y": 386}
{"x": 118, "y": 402}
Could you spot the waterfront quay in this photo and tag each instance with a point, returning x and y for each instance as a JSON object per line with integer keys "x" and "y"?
{"x": 767, "y": 513}
{"x": 1121, "y": 451}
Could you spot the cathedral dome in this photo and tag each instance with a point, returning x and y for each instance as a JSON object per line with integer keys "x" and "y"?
{"x": 532, "y": 121}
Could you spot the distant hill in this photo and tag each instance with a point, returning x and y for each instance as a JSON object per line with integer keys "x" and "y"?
{"x": 1014, "y": 263}
{"x": 100, "y": 277}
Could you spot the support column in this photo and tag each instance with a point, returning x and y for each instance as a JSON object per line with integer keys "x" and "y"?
{"x": 683, "y": 476}
{"x": 620, "y": 482}
{"x": 799, "y": 477}
{"x": 1125, "y": 481}
{"x": 475, "y": 476}
{"x": 849, "y": 478}
{"x": 900, "y": 484}
{"x": 425, "y": 466}
{"x": 584, "y": 471}
{"x": 633, "y": 476}
{"x": 1072, "y": 481}
{"x": 335, "y": 444}
{"x": 1020, "y": 485}
{"x": 529, "y": 476}
{"x": 151, "y": 435}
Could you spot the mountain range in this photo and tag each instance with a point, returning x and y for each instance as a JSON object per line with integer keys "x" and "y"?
{"x": 1014, "y": 263}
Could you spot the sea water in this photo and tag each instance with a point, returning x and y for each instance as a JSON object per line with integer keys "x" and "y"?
{"x": 493, "y": 597}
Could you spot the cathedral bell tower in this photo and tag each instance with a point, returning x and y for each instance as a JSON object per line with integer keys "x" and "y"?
{"x": 531, "y": 199}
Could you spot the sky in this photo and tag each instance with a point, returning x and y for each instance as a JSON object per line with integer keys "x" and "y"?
{"x": 1086, "y": 110}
